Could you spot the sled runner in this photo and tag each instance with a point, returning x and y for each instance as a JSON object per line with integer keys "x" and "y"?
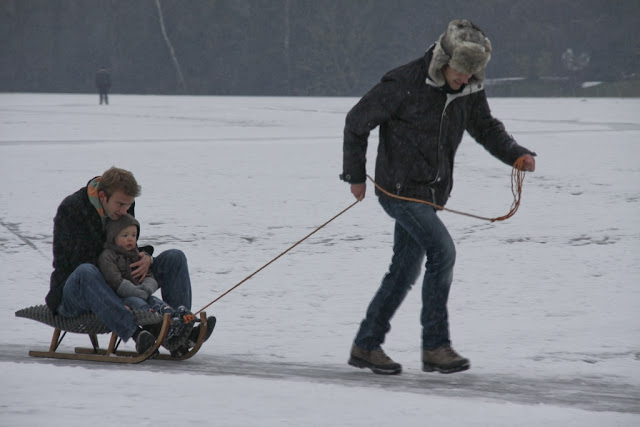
{"x": 92, "y": 326}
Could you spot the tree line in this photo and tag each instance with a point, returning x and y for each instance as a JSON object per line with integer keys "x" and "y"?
{"x": 298, "y": 47}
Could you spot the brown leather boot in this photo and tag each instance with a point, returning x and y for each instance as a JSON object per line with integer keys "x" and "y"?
{"x": 376, "y": 360}
{"x": 444, "y": 360}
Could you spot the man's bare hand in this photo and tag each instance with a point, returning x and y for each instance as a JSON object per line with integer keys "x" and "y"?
{"x": 529, "y": 163}
{"x": 140, "y": 268}
{"x": 359, "y": 190}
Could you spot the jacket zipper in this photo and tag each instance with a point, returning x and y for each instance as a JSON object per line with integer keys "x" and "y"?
{"x": 444, "y": 113}
{"x": 450, "y": 99}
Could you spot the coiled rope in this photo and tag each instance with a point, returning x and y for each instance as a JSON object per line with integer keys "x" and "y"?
{"x": 517, "y": 179}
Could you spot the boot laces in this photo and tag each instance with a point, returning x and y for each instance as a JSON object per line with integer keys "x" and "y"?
{"x": 449, "y": 351}
{"x": 381, "y": 356}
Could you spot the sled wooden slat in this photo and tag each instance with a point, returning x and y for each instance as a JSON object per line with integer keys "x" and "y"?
{"x": 104, "y": 355}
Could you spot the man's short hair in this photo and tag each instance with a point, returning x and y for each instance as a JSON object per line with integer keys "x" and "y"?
{"x": 116, "y": 179}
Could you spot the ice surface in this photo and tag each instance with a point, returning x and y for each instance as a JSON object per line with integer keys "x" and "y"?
{"x": 545, "y": 304}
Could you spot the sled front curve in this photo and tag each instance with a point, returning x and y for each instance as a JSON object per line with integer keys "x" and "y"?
{"x": 196, "y": 347}
{"x": 159, "y": 356}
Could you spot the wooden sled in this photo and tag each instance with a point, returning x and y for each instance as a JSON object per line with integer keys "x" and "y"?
{"x": 92, "y": 326}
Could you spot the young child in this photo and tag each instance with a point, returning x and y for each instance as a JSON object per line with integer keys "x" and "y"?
{"x": 120, "y": 251}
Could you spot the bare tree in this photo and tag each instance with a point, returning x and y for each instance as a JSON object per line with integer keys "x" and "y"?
{"x": 181, "y": 83}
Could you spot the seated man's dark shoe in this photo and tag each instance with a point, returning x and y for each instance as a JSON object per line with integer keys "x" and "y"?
{"x": 154, "y": 329}
{"x": 376, "y": 360}
{"x": 444, "y": 360}
{"x": 144, "y": 341}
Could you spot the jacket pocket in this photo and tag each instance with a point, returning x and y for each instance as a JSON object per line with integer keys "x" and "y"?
{"x": 421, "y": 171}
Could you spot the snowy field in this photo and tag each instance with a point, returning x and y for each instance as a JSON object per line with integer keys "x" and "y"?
{"x": 545, "y": 305}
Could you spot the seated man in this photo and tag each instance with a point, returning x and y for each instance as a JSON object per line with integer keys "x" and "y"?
{"x": 77, "y": 286}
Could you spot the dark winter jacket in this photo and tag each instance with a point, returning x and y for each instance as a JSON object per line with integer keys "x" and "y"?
{"x": 421, "y": 127}
{"x": 78, "y": 238}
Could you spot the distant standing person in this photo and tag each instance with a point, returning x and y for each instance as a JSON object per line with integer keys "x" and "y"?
{"x": 103, "y": 83}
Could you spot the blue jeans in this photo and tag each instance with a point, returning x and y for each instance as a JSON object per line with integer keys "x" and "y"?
{"x": 86, "y": 291}
{"x": 418, "y": 232}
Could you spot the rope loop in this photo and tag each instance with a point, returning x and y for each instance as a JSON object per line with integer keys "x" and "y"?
{"x": 517, "y": 179}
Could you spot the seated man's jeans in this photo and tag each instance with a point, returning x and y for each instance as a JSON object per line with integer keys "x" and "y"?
{"x": 418, "y": 232}
{"x": 86, "y": 291}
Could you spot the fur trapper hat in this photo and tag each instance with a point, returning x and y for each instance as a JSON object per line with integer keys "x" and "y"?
{"x": 113, "y": 228}
{"x": 464, "y": 47}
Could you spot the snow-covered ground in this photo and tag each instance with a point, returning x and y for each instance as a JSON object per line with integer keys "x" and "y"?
{"x": 545, "y": 304}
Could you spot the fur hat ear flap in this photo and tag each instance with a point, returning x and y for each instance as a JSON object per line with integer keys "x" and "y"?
{"x": 438, "y": 60}
{"x": 464, "y": 47}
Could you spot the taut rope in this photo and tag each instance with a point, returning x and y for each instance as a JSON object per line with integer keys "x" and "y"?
{"x": 517, "y": 179}
{"x": 273, "y": 260}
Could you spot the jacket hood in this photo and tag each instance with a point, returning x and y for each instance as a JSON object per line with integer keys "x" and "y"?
{"x": 112, "y": 228}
